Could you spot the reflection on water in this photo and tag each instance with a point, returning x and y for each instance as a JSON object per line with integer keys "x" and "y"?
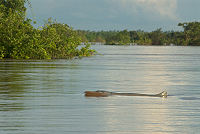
{"x": 46, "y": 97}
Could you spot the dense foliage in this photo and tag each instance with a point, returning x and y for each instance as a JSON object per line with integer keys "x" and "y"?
{"x": 20, "y": 40}
{"x": 191, "y": 33}
{"x": 189, "y": 36}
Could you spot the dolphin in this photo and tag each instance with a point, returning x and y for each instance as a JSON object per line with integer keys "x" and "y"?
{"x": 102, "y": 93}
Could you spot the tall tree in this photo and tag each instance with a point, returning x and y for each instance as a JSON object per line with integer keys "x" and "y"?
{"x": 157, "y": 37}
{"x": 191, "y": 32}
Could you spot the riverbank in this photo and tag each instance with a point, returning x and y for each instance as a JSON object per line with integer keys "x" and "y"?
{"x": 189, "y": 36}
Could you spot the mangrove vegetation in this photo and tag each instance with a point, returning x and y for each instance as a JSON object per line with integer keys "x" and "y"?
{"x": 19, "y": 39}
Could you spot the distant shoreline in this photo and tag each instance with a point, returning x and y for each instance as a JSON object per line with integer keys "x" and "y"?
{"x": 188, "y": 37}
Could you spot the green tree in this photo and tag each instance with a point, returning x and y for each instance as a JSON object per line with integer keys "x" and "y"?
{"x": 14, "y": 6}
{"x": 121, "y": 38}
{"x": 157, "y": 37}
{"x": 191, "y": 33}
{"x": 20, "y": 40}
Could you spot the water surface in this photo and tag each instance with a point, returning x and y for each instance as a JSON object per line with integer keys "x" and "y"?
{"x": 46, "y": 96}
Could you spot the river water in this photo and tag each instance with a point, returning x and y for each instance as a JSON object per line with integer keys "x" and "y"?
{"x": 47, "y": 96}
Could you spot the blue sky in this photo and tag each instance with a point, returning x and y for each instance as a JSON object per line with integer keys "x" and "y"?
{"x": 147, "y": 15}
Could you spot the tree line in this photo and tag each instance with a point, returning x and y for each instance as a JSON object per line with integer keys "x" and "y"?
{"x": 189, "y": 36}
{"x": 19, "y": 39}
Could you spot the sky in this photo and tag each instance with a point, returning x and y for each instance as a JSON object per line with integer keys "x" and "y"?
{"x": 96, "y": 15}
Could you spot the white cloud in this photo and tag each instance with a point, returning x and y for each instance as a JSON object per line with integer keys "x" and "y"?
{"x": 165, "y": 8}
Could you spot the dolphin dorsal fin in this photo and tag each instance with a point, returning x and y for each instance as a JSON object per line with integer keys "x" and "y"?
{"x": 163, "y": 94}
